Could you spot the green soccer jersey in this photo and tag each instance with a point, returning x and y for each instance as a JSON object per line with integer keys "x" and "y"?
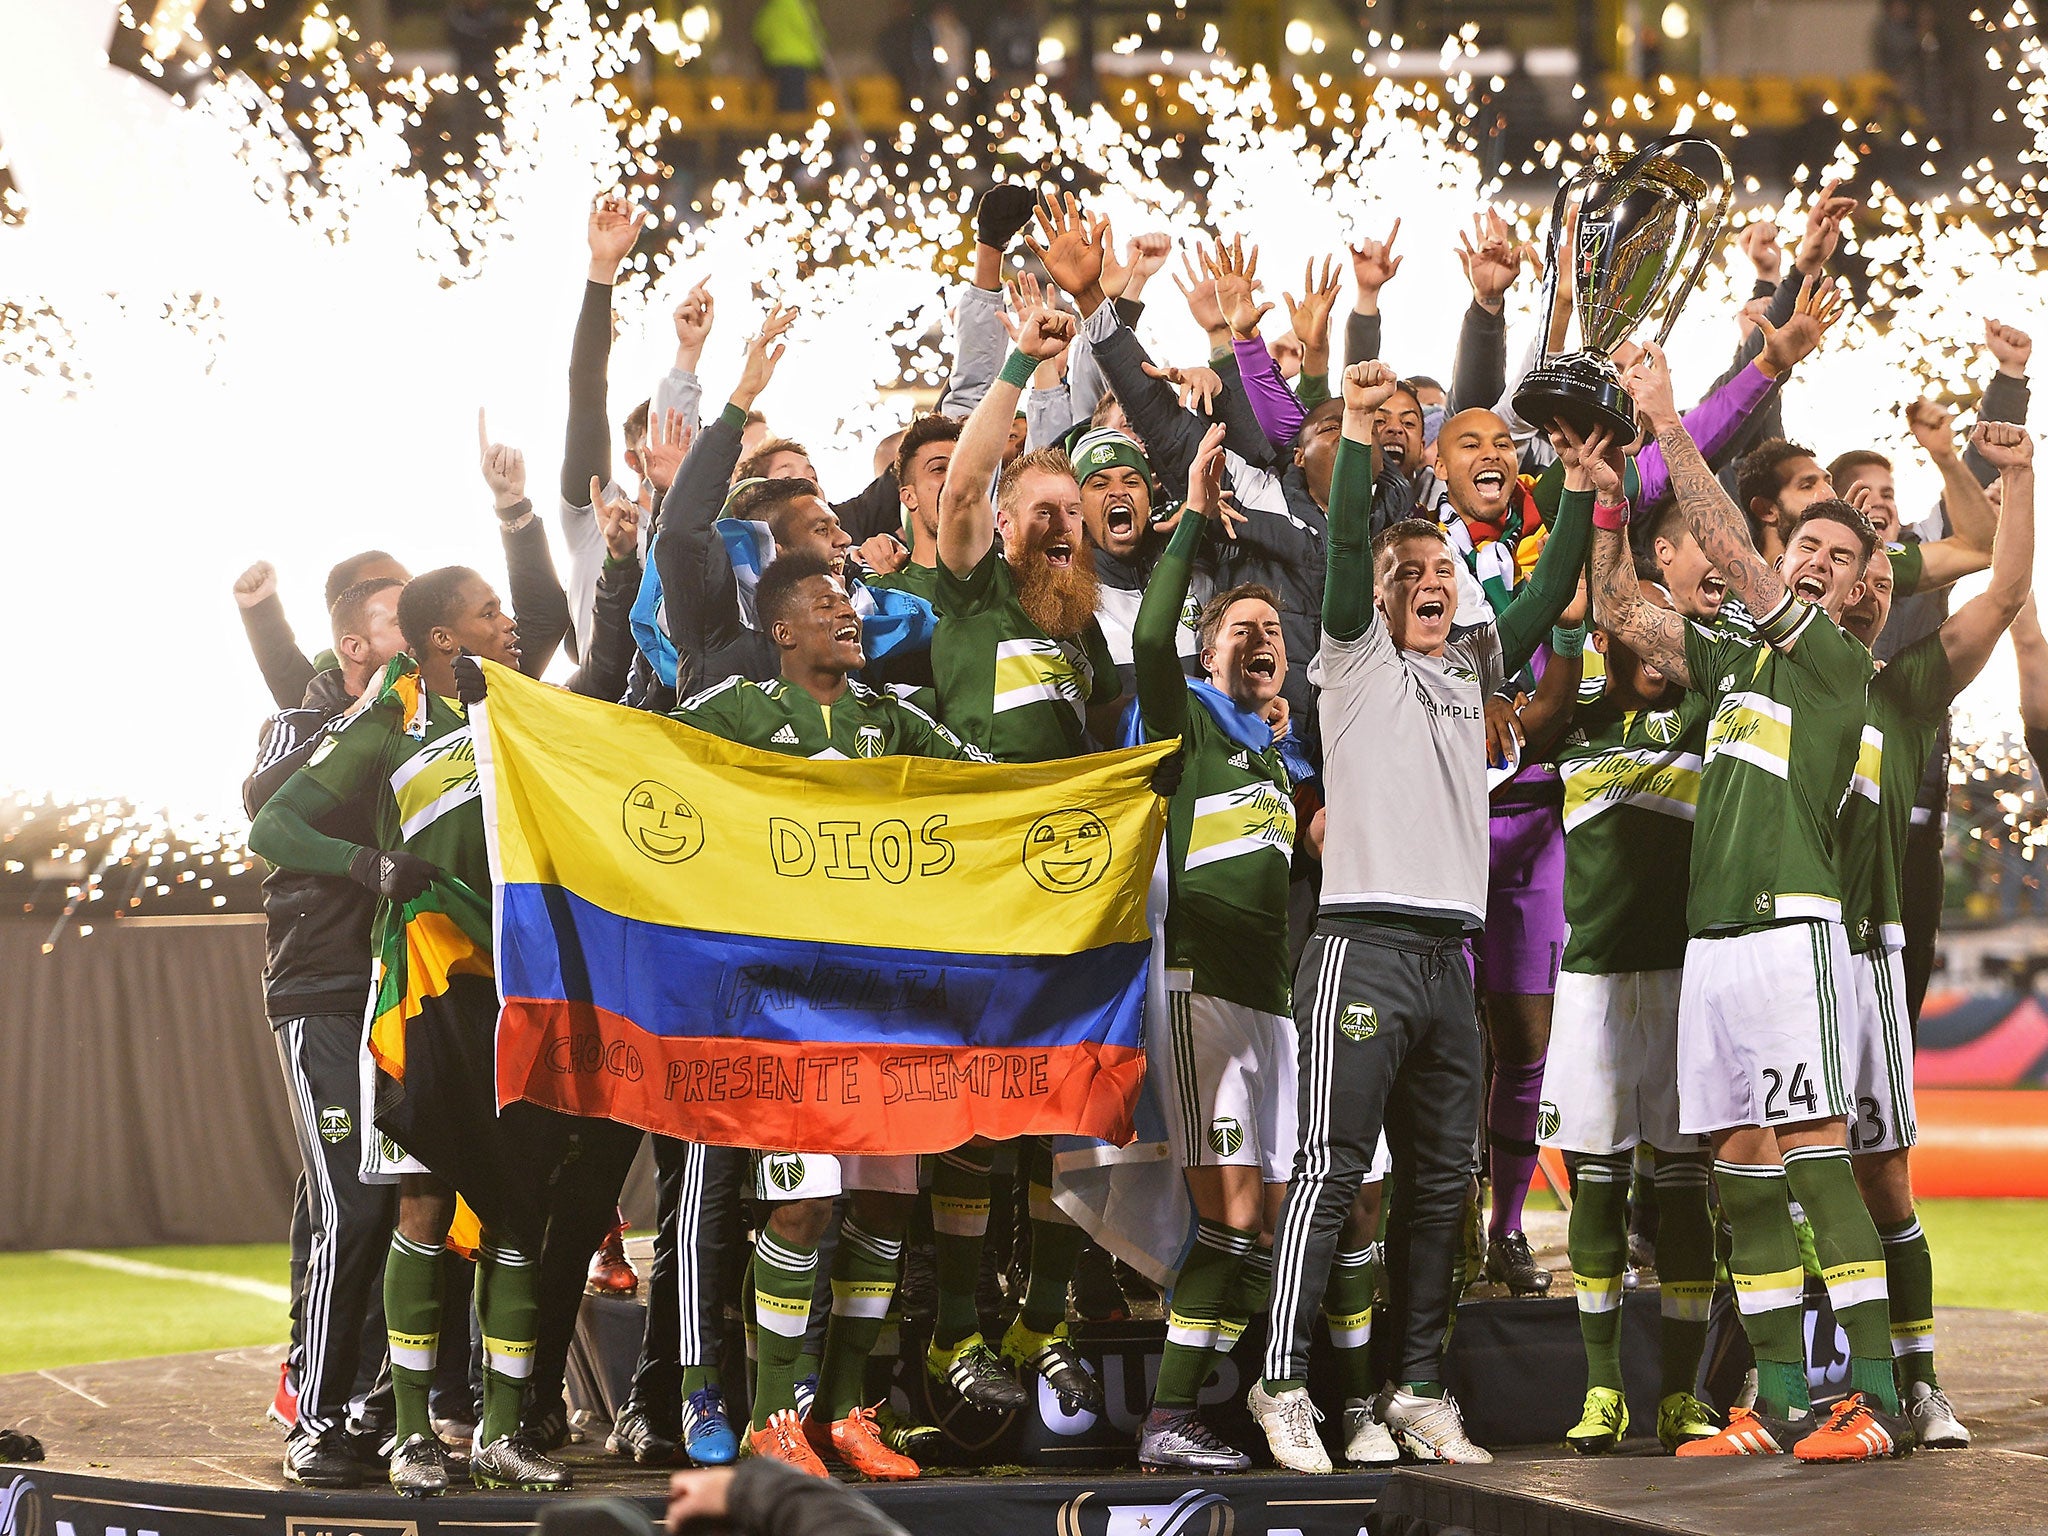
{"x": 1787, "y": 717}
{"x": 778, "y": 716}
{"x": 1631, "y": 787}
{"x": 1909, "y": 569}
{"x": 1230, "y": 841}
{"x": 1005, "y": 684}
{"x": 918, "y": 580}
{"x": 1908, "y": 702}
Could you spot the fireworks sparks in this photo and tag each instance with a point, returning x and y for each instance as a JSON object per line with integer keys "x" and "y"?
{"x": 257, "y": 329}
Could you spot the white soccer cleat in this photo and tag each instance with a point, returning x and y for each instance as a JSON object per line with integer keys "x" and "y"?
{"x": 1289, "y": 1420}
{"x": 1935, "y": 1425}
{"x": 1428, "y": 1428}
{"x": 1366, "y": 1441}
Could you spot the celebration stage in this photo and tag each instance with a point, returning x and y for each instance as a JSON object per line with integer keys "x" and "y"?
{"x": 178, "y": 1446}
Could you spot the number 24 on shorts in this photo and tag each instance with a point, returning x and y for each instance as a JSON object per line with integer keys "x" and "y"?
{"x": 1781, "y": 1097}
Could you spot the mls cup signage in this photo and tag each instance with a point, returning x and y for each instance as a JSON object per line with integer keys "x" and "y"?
{"x": 1629, "y": 237}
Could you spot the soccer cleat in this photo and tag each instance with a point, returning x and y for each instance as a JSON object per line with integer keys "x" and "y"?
{"x": 782, "y": 1439}
{"x": 284, "y": 1407}
{"x": 16, "y": 1446}
{"x": 1059, "y": 1363}
{"x": 1510, "y": 1263}
{"x": 1176, "y": 1440}
{"x": 610, "y": 1272}
{"x": 1428, "y": 1428}
{"x": 320, "y": 1461}
{"x": 978, "y": 1376}
{"x": 1750, "y": 1433}
{"x": 637, "y": 1437}
{"x": 1366, "y": 1441}
{"x": 857, "y": 1441}
{"x": 545, "y": 1432}
{"x": 1858, "y": 1430}
{"x": 1601, "y": 1425}
{"x": 1682, "y": 1419}
{"x": 805, "y": 1391}
{"x": 419, "y": 1468}
{"x": 509, "y": 1462}
{"x": 708, "y": 1438}
{"x": 1935, "y": 1425}
{"x": 1289, "y": 1422}
{"x": 904, "y": 1437}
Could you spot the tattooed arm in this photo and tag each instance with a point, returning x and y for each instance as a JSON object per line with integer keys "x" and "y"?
{"x": 1710, "y": 516}
{"x": 1656, "y": 634}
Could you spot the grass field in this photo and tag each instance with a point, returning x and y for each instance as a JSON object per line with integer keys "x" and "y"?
{"x": 57, "y": 1311}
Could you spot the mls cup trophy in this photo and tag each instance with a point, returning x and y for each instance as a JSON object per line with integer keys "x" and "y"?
{"x": 1629, "y": 237}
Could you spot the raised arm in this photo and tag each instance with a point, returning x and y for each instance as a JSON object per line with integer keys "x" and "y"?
{"x": 286, "y": 672}
{"x": 2005, "y": 397}
{"x": 1656, "y": 634}
{"x": 1373, "y": 265}
{"x": 1492, "y": 260}
{"x": 1155, "y": 649}
{"x": 1972, "y": 520}
{"x": 1540, "y": 601}
{"x": 680, "y": 390}
{"x": 1347, "y": 572}
{"x": 1711, "y": 517}
{"x": 614, "y": 225}
{"x": 539, "y": 605}
{"x": 1973, "y": 629}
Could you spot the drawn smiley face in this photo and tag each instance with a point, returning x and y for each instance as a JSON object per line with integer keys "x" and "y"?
{"x": 661, "y": 823}
{"x": 1067, "y": 850}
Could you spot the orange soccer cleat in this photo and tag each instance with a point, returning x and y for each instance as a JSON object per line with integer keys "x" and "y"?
{"x": 857, "y": 1441}
{"x": 610, "y": 1274}
{"x": 1750, "y": 1433}
{"x": 783, "y": 1439}
{"x": 1857, "y": 1430}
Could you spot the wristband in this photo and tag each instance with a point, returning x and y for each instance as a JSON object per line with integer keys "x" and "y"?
{"x": 1568, "y": 644}
{"x": 1614, "y": 519}
{"x": 1018, "y": 369}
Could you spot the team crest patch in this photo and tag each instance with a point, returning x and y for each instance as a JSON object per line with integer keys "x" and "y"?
{"x": 1359, "y": 1021}
{"x": 785, "y": 1171}
{"x": 1225, "y": 1135}
{"x": 1762, "y": 904}
{"x": 388, "y": 1150}
{"x": 1547, "y": 1120}
{"x": 335, "y": 1124}
{"x": 1661, "y": 726}
{"x": 869, "y": 741}
{"x": 1104, "y": 454}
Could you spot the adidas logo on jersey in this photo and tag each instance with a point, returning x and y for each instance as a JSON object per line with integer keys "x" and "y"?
{"x": 786, "y": 737}
{"x": 1240, "y": 759}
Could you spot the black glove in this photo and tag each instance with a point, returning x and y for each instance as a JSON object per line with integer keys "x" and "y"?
{"x": 469, "y": 679}
{"x": 1002, "y": 211}
{"x": 396, "y": 877}
{"x": 1166, "y": 774}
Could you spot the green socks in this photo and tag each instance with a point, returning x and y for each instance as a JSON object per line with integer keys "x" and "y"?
{"x": 1597, "y": 1241}
{"x": 1851, "y": 1263}
{"x": 1055, "y": 1247}
{"x": 959, "y": 1224}
{"x": 1347, "y": 1308}
{"x": 1191, "y": 1326}
{"x": 1685, "y": 1266}
{"x": 1909, "y": 1273}
{"x": 1770, "y": 1285}
{"x": 863, "y": 1285}
{"x": 412, "y": 1320}
{"x": 783, "y": 1278}
{"x": 1250, "y": 1293}
{"x": 507, "y": 1308}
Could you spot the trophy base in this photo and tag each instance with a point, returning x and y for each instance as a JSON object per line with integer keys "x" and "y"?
{"x": 1581, "y": 390}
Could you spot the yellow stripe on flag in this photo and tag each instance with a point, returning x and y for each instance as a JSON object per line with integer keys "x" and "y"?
{"x": 436, "y": 949}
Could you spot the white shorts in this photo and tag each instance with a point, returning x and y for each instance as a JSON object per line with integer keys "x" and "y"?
{"x": 1611, "y": 1079}
{"x": 795, "y": 1176}
{"x": 1759, "y": 1031}
{"x": 382, "y": 1159}
{"x": 1226, "y": 1075}
{"x": 1877, "y": 1054}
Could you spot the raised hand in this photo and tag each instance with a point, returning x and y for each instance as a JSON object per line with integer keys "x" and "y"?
{"x": 1071, "y": 245}
{"x": 1758, "y": 243}
{"x": 1367, "y": 387}
{"x": 614, "y": 225}
{"x": 1373, "y": 265}
{"x": 1309, "y": 316}
{"x": 668, "y": 438}
{"x": 1933, "y": 428}
{"x": 884, "y": 555}
{"x": 2004, "y": 444}
{"x": 1143, "y": 256}
{"x": 504, "y": 468}
{"x": 1648, "y": 382}
{"x": 1598, "y": 456}
{"x": 258, "y": 584}
{"x": 2010, "y": 347}
{"x": 763, "y": 353}
{"x": 1199, "y": 387}
{"x": 1819, "y": 307}
{"x": 1236, "y": 272}
{"x": 618, "y": 519}
{"x": 1823, "y": 228}
{"x": 1491, "y": 259}
{"x": 693, "y": 319}
{"x": 1041, "y": 332}
{"x": 1205, "y": 474}
{"x": 1200, "y": 292}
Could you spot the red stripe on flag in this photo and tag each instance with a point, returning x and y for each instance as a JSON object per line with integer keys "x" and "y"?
{"x": 810, "y": 1096}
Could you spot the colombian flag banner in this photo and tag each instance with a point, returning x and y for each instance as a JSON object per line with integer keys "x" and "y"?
{"x": 884, "y": 955}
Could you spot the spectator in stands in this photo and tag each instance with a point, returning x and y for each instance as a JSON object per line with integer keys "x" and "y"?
{"x": 792, "y": 44}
